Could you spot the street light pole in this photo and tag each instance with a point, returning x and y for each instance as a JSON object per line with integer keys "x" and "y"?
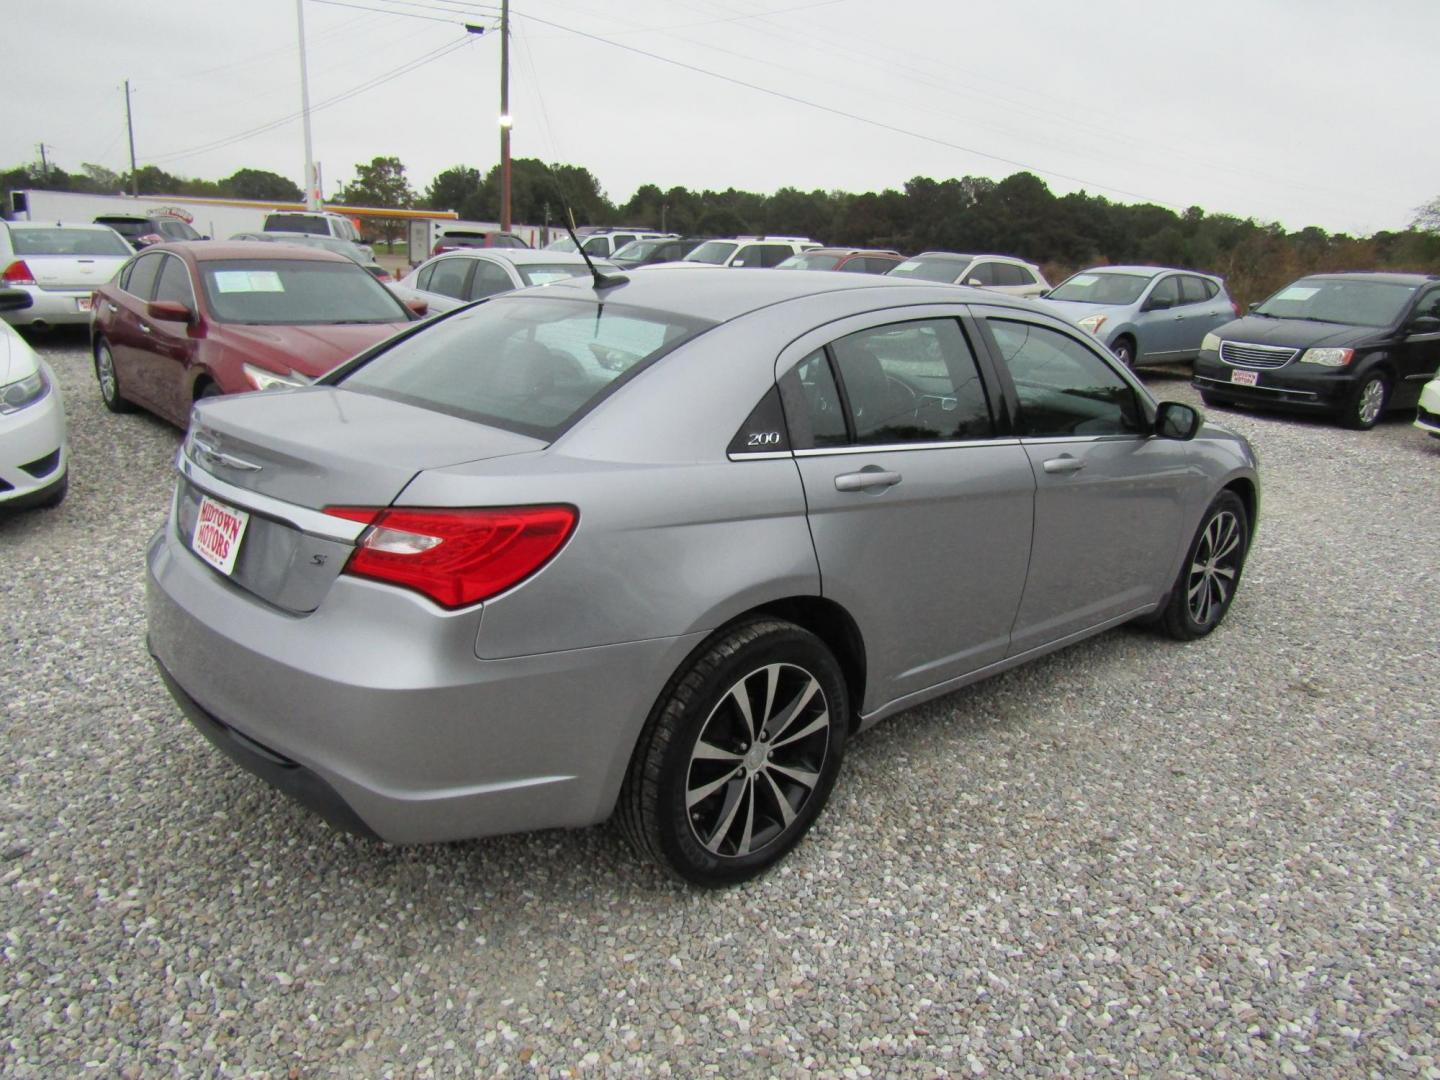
{"x": 130, "y": 129}
{"x": 312, "y": 187}
{"x": 505, "y": 121}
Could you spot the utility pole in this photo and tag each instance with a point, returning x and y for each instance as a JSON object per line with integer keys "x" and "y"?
{"x": 505, "y": 121}
{"x": 44, "y": 165}
{"x": 312, "y": 185}
{"x": 130, "y": 128}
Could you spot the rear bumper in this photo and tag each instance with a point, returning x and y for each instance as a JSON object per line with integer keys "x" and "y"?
{"x": 375, "y": 710}
{"x": 33, "y": 453}
{"x": 58, "y": 307}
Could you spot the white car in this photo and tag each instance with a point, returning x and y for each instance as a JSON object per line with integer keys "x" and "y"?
{"x": 756, "y": 252}
{"x": 1428, "y": 418}
{"x": 458, "y": 277}
{"x": 58, "y": 266}
{"x": 999, "y": 273}
{"x": 34, "y": 458}
{"x": 602, "y": 243}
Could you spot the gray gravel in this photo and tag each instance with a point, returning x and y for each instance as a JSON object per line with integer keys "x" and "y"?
{"x": 1133, "y": 858}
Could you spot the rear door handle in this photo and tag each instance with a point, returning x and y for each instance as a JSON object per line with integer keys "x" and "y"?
{"x": 1064, "y": 464}
{"x": 111, "y": 307}
{"x": 866, "y": 479}
{"x": 144, "y": 328}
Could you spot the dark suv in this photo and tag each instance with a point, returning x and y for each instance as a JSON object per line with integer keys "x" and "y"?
{"x": 142, "y": 230}
{"x": 1354, "y": 345}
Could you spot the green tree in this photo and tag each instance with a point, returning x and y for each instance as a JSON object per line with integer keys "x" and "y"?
{"x": 381, "y": 183}
{"x": 260, "y": 184}
{"x": 453, "y": 189}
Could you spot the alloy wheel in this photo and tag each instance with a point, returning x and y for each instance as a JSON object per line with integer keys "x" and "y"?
{"x": 1214, "y": 568}
{"x": 758, "y": 759}
{"x": 1372, "y": 399}
{"x": 105, "y": 372}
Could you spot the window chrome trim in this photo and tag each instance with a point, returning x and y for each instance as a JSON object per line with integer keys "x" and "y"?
{"x": 894, "y": 448}
{"x": 303, "y": 518}
{"x": 1114, "y": 436}
{"x": 759, "y": 455}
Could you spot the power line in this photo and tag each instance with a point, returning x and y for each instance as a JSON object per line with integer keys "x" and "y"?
{"x": 453, "y": 21}
{"x": 369, "y": 84}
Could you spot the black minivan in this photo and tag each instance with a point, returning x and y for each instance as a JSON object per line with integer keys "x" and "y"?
{"x": 1354, "y": 345}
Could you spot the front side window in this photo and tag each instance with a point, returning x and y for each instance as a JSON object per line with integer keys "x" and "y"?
{"x": 177, "y": 230}
{"x": 599, "y": 245}
{"x": 447, "y": 277}
{"x": 982, "y": 273}
{"x": 1166, "y": 292}
{"x": 296, "y": 292}
{"x": 1063, "y": 387}
{"x": 532, "y": 364}
{"x": 174, "y": 283}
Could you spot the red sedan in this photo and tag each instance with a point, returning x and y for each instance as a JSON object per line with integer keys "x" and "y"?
{"x": 189, "y": 320}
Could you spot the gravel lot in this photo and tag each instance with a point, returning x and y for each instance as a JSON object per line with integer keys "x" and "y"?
{"x": 1133, "y": 858}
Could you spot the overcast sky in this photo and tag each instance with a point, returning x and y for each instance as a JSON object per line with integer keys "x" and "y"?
{"x": 1299, "y": 111}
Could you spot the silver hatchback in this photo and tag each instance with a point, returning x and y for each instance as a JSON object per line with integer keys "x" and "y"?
{"x": 657, "y": 550}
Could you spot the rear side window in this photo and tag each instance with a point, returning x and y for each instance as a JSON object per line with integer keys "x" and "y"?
{"x": 489, "y": 280}
{"x": 910, "y": 382}
{"x": 140, "y": 282}
{"x": 447, "y": 277}
{"x": 1193, "y": 290}
{"x": 1063, "y": 387}
{"x": 527, "y": 364}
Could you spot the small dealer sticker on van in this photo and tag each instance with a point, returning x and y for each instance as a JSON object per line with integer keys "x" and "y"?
{"x": 218, "y": 530}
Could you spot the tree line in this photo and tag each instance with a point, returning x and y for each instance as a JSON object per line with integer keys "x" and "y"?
{"x": 1018, "y": 215}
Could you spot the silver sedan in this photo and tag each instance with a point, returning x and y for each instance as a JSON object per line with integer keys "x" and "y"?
{"x": 448, "y": 281}
{"x": 657, "y": 550}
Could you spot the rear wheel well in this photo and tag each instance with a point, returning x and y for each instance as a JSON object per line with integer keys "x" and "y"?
{"x": 833, "y": 625}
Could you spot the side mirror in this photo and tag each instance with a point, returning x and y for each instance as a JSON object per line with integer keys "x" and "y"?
{"x": 168, "y": 311}
{"x": 1158, "y": 303}
{"x": 418, "y": 306}
{"x": 1424, "y": 324}
{"x": 1252, "y": 307}
{"x": 975, "y": 283}
{"x": 15, "y": 299}
{"x": 1175, "y": 420}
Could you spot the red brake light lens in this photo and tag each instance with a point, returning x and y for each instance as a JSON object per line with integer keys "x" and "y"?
{"x": 456, "y": 557}
{"x": 17, "y": 273}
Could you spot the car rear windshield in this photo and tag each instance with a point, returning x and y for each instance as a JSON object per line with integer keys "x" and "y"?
{"x": 714, "y": 252}
{"x": 301, "y": 223}
{"x": 1084, "y": 288}
{"x": 528, "y": 364}
{"x": 544, "y": 273}
{"x": 67, "y": 242}
{"x": 296, "y": 292}
{"x": 810, "y": 262}
{"x": 931, "y": 269}
{"x": 130, "y": 228}
{"x": 1352, "y": 303}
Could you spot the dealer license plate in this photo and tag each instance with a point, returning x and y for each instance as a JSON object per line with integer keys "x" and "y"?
{"x": 218, "y": 531}
{"x": 1245, "y": 378}
{"x": 82, "y": 303}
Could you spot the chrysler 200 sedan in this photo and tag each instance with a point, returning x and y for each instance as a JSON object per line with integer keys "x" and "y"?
{"x": 657, "y": 550}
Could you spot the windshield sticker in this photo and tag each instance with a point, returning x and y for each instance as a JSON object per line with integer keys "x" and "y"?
{"x": 1085, "y": 279}
{"x": 239, "y": 281}
{"x": 1297, "y": 292}
{"x": 909, "y": 264}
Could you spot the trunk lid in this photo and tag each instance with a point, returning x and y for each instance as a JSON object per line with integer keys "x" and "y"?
{"x": 69, "y": 273}
{"x": 282, "y": 457}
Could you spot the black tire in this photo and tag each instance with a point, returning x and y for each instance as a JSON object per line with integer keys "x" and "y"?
{"x": 1191, "y": 614}
{"x": 1366, "y": 404}
{"x": 209, "y": 390}
{"x": 110, "y": 392}
{"x": 687, "y": 809}
{"x": 1124, "y": 350}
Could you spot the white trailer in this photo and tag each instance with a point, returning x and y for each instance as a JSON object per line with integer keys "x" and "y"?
{"x": 425, "y": 234}
{"x": 217, "y": 218}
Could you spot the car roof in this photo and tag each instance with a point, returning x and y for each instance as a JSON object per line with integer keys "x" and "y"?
{"x": 1379, "y": 276}
{"x": 718, "y": 293}
{"x": 23, "y": 225}
{"x": 218, "y": 250}
{"x": 851, "y": 251}
{"x": 955, "y": 255}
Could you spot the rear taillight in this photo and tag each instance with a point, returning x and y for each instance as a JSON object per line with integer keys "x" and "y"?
{"x": 17, "y": 273}
{"x": 456, "y": 557}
